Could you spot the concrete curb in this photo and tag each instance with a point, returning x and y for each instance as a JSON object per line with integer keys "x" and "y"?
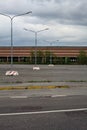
{"x": 31, "y": 87}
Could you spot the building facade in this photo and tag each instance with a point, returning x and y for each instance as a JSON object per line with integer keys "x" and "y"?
{"x": 21, "y": 54}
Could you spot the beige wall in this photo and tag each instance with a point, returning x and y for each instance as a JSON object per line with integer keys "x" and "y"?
{"x": 26, "y": 51}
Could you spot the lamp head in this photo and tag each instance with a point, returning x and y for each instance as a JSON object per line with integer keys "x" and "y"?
{"x": 47, "y": 29}
{"x": 29, "y": 12}
{"x": 25, "y": 29}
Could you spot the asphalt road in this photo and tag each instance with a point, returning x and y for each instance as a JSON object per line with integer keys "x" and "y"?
{"x": 43, "y": 113}
{"x": 46, "y": 74}
{"x": 46, "y": 109}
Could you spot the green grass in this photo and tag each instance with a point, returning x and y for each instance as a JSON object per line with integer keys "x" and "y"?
{"x": 33, "y": 81}
{"x": 76, "y": 81}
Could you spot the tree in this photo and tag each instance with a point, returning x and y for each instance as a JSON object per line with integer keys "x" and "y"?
{"x": 40, "y": 56}
{"x": 47, "y": 57}
{"x": 82, "y": 58}
{"x": 32, "y": 57}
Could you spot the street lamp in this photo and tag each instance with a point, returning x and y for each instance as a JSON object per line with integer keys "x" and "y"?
{"x": 11, "y": 20}
{"x": 51, "y": 52}
{"x": 36, "y": 32}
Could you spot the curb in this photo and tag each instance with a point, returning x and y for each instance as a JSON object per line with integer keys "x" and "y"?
{"x": 31, "y": 87}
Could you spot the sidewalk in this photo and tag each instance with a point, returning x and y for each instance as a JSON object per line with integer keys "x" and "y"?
{"x": 44, "y": 93}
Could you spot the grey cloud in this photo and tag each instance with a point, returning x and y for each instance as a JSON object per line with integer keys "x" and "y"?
{"x": 62, "y": 11}
{"x": 45, "y": 13}
{"x": 13, "y": 7}
{"x": 65, "y": 12}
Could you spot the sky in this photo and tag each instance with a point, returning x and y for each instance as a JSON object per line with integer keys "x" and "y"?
{"x": 66, "y": 20}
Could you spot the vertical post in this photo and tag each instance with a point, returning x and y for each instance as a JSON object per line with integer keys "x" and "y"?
{"x": 50, "y": 54}
{"x": 51, "y": 57}
{"x": 11, "y": 19}
{"x": 11, "y": 43}
{"x": 35, "y": 32}
{"x": 35, "y": 48}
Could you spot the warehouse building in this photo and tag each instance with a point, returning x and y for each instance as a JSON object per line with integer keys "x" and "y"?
{"x": 21, "y": 53}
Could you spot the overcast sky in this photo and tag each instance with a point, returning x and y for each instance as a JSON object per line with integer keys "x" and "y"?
{"x": 66, "y": 20}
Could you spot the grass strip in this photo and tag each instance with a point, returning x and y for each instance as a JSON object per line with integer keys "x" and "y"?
{"x": 31, "y": 87}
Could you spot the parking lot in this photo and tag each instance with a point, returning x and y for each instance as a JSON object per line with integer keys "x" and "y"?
{"x": 57, "y": 73}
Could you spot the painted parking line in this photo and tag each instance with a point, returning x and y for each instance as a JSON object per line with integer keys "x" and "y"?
{"x": 18, "y": 96}
{"x": 58, "y": 96}
{"x": 43, "y": 112}
{"x": 32, "y": 96}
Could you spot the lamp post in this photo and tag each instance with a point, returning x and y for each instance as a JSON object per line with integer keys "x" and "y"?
{"x": 36, "y": 32}
{"x": 51, "y": 52}
{"x": 11, "y": 20}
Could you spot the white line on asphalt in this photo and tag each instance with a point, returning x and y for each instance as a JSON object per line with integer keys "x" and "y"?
{"x": 43, "y": 112}
{"x": 18, "y": 96}
{"x": 3, "y": 96}
{"x": 58, "y": 96}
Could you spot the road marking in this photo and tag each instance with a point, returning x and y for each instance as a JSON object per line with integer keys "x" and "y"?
{"x": 43, "y": 112}
{"x": 3, "y": 96}
{"x": 18, "y": 96}
{"x": 58, "y": 96}
{"x": 13, "y": 97}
